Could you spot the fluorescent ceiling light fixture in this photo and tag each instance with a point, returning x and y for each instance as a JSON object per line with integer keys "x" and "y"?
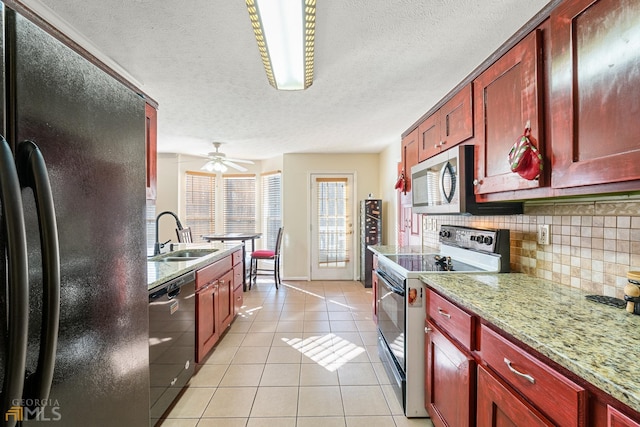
{"x": 285, "y": 32}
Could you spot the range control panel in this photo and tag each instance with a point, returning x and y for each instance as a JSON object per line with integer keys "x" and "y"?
{"x": 495, "y": 241}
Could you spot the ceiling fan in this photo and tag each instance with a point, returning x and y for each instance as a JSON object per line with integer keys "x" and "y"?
{"x": 218, "y": 161}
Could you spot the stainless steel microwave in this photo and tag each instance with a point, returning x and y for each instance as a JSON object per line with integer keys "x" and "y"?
{"x": 443, "y": 184}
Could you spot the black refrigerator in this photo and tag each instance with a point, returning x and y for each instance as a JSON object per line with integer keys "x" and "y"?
{"x": 74, "y": 308}
{"x": 370, "y": 234}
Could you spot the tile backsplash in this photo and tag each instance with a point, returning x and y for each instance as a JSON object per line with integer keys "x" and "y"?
{"x": 593, "y": 244}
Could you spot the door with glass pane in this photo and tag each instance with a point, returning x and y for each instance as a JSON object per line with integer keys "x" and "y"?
{"x": 332, "y": 227}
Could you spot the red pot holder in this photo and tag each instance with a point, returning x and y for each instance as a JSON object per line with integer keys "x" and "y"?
{"x": 401, "y": 182}
{"x": 524, "y": 157}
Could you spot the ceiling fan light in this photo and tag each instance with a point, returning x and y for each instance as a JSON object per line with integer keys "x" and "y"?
{"x": 285, "y": 33}
{"x": 214, "y": 166}
{"x": 219, "y": 167}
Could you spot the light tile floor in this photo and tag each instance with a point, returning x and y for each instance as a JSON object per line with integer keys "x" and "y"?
{"x": 304, "y": 355}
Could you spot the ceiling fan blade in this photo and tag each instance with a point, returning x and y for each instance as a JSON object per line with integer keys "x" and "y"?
{"x": 235, "y": 166}
{"x": 249, "y": 162}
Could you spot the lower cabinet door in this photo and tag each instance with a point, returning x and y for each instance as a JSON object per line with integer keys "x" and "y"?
{"x": 499, "y": 406}
{"x": 449, "y": 381}
{"x": 207, "y": 328}
{"x": 225, "y": 300}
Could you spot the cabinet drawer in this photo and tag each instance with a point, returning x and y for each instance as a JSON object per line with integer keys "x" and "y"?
{"x": 238, "y": 300}
{"x": 616, "y": 418}
{"x": 212, "y": 271}
{"x": 454, "y": 321}
{"x": 560, "y": 399}
{"x": 237, "y": 276}
{"x": 236, "y": 257}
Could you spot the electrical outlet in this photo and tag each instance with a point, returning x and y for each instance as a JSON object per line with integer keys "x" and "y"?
{"x": 543, "y": 234}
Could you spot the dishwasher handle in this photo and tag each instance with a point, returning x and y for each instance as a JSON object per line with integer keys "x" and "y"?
{"x": 173, "y": 291}
{"x": 172, "y": 287}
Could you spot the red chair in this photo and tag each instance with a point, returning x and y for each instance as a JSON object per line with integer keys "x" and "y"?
{"x": 263, "y": 255}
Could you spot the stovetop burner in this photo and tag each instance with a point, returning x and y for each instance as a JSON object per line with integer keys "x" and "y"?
{"x": 430, "y": 262}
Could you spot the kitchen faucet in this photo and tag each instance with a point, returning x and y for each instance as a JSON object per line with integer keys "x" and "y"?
{"x": 158, "y": 245}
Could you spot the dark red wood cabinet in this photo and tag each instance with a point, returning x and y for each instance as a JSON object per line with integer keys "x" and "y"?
{"x": 449, "y": 380}
{"x": 238, "y": 271}
{"x": 409, "y": 158}
{"x": 615, "y": 418}
{"x": 499, "y": 406}
{"x": 450, "y": 125}
{"x": 507, "y": 97}
{"x": 151, "y": 159}
{"x": 450, "y": 368}
{"x": 561, "y": 400}
{"x": 214, "y": 304}
{"x": 594, "y": 92}
{"x": 207, "y": 323}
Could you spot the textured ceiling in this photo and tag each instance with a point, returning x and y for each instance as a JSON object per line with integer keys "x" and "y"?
{"x": 379, "y": 66}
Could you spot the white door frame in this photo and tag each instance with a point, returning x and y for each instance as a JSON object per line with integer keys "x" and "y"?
{"x": 353, "y": 269}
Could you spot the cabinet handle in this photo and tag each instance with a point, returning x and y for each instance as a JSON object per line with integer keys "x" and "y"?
{"x": 443, "y": 313}
{"x": 427, "y": 329}
{"x": 442, "y": 143}
{"x": 515, "y": 371}
{"x": 435, "y": 146}
{"x": 476, "y": 182}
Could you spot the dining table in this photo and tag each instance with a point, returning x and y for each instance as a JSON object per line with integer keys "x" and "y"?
{"x": 237, "y": 237}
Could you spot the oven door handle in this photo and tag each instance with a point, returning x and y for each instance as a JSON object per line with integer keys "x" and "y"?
{"x": 387, "y": 284}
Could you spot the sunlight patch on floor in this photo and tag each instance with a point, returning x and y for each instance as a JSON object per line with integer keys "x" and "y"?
{"x": 329, "y": 351}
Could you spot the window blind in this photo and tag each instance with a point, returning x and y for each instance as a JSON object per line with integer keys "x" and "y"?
{"x": 239, "y": 203}
{"x": 271, "y": 207}
{"x": 333, "y": 218}
{"x": 200, "y": 204}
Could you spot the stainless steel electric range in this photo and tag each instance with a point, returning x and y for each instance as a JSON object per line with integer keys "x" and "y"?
{"x": 401, "y": 305}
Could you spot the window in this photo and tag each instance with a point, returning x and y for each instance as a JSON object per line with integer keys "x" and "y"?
{"x": 239, "y": 203}
{"x": 334, "y": 217}
{"x": 200, "y": 204}
{"x": 271, "y": 207}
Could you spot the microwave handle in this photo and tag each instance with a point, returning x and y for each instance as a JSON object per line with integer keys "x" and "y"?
{"x": 447, "y": 169}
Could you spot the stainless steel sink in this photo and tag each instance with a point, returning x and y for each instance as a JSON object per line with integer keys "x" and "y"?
{"x": 177, "y": 258}
{"x": 183, "y": 255}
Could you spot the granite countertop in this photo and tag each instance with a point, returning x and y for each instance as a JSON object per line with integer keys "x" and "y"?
{"x": 598, "y": 343}
{"x": 159, "y": 272}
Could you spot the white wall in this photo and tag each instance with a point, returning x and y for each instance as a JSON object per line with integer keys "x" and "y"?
{"x": 167, "y": 198}
{"x": 389, "y": 159}
{"x": 374, "y": 173}
{"x": 297, "y": 196}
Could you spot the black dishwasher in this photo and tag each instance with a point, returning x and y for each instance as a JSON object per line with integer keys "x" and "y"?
{"x": 172, "y": 321}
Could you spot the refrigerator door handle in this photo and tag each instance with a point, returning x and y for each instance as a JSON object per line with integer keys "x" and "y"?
{"x": 33, "y": 174}
{"x": 17, "y": 299}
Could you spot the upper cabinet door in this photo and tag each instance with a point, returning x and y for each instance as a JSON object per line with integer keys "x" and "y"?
{"x": 409, "y": 157}
{"x": 429, "y": 134}
{"x": 447, "y": 127}
{"x": 508, "y": 97}
{"x": 456, "y": 119}
{"x": 595, "y": 78}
